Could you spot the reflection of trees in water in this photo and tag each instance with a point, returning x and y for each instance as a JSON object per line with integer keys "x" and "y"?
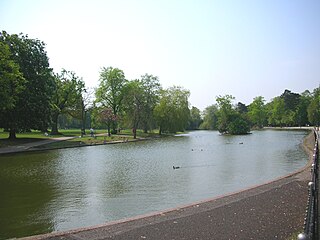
{"x": 26, "y": 190}
{"x": 117, "y": 179}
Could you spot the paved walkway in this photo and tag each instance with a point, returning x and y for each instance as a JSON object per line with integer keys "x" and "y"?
{"x": 27, "y": 146}
{"x": 271, "y": 211}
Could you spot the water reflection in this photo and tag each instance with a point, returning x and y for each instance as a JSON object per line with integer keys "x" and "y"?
{"x": 70, "y": 188}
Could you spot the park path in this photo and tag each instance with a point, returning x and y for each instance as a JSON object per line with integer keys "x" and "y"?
{"x": 27, "y": 146}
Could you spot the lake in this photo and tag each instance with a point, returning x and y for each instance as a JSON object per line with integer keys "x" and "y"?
{"x": 70, "y": 188}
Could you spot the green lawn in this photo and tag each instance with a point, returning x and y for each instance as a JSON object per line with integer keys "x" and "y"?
{"x": 32, "y": 136}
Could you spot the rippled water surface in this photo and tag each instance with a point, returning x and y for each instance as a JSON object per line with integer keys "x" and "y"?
{"x": 64, "y": 189}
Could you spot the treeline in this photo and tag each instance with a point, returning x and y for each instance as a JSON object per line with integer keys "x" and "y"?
{"x": 32, "y": 96}
{"x": 289, "y": 109}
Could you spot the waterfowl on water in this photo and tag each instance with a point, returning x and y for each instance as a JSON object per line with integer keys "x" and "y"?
{"x": 175, "y": 167}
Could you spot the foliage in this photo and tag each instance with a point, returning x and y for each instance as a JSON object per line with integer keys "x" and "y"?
{"x": 225, "y": 112}
{"x": 257, "y": 112}
{"x": 195, "y": 119}
{"x": 107, "y": 116}
{"x": 301, "y": 112}
{"x": 66, "y": 95}
{"x": 81, "y": 108}
{"x": 275, "y": 112}
{"x": 210, "y": 118}
{"x": 12, "y": 81}
{"x": 134, "y": 104}
{"x": 30, "y": 108}
{"x": 151, "y": 95}
{"x": 238, "y": 125}
{"x": 231, "y": 120}
{"x": 111, "y": 90}
{"x": 314, "y": 107}
{"x": 172, "y": 112}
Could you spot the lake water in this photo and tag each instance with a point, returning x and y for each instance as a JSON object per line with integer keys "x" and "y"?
{"x": 65, "y": 189}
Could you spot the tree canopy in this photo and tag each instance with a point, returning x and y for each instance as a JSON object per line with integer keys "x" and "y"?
{"x": 172, "y": 113}
{"x": 33, "y": 97}
{"x": 110, "y": 92}
{"x": 32, "y": 83}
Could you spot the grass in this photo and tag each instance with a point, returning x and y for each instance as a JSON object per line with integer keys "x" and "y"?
{"x": 32, "y": 136}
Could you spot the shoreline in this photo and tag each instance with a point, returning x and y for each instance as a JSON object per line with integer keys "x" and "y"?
{"x": 128, "y": 228}
{"x": 38, "y": 145}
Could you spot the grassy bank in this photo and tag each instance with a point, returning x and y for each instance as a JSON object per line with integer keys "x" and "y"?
{"x": 100, "y": 137}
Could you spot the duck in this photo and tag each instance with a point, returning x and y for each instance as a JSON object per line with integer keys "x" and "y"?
{"x": 175, "y": 167}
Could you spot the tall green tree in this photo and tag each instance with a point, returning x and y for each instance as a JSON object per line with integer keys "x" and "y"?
{"x": 230, "y": 119}
{"x": 291, "y": 100}
{"x": 83, "y": 104}
{"x": 134, "y": 105}
{"x": 12, "y": 81}
{"x": 111, "y": 90}
{"x": 151, "y": 95}
{"x": 241, "y": 108}
{"x": 195, "y": 118}
{"x": 257, "y": 112}
{"x": 172, "y": 112}
{"x": 32, "y": 106}
{"x": 226, "y": 111}
{"x": 66, "y": 95}
{"x": 314, "y": 107}
{"x": 210, "y": 118}
{"x": 276, "y": 112}
{"x": 301, "y": 113}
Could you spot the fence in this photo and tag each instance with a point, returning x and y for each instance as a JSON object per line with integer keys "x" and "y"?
{"x": 311, "y": 223}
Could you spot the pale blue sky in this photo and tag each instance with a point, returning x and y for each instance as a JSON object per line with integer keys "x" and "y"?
{"x": 245, "y": 48}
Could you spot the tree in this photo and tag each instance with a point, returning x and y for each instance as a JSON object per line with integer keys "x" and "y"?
{"x": 110, "y": 92}
{"x": 66, "y": 95}
{"x": 230, "y": 120}
{"x": 83, "y": 105}
{"x": 210, "y": 118}
{"x": 195, "y": 118}
{"x": 301, "y": 113}
{"x": 314, "y": 107}
{"x": 241, "y": 108}
{"x": 238, "y": 125}
{"x": 134, "y": 104}
{"x": 257, "y": 112}
{"x": 30, "y": 108}
{"x": 172, "y": 111}
{"x": 12, "y": 81}
{"x": 276, "y": 112}
{"x": 225, "y": 112}
{"x": 107, "y": 117}
{"x": 291, "y": 100}
{"x": 151, "y": 91}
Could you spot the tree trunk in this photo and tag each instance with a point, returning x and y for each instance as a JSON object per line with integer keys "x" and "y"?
{"x": 134, "y": 130}
{"x": 160, "y": 130}
{"x": 54, "y": 129}
{"x": 109, "y": 130}
{"x": 83, "y": 123}
{"x": 12, "y": 134}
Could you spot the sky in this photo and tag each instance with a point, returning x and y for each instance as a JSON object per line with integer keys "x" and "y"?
{"x": 246, "y": 48}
